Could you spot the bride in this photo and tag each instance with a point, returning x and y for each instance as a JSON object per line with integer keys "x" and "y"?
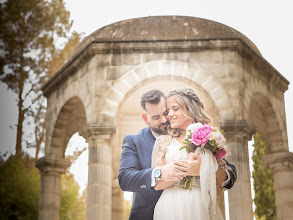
{"x": 184, "y": 108}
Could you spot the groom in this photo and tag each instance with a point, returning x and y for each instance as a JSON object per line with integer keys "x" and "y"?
{"x": 135, "y": 172}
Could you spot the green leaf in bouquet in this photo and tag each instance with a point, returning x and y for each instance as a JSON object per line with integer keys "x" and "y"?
{"x": 182, "y": 147}
{"x": 213, "y": 143}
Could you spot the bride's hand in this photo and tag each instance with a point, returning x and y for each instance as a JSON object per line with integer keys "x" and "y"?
{"x": 193, "y": 156}
{"x": 170, "y": 172}
{"x": 191, "y": 167}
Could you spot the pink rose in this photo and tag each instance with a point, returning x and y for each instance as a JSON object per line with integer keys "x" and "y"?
{"x": 202, "y": 135}
{"x": 220, "y": 154}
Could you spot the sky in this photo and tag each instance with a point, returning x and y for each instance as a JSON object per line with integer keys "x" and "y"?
{"x": 267, "y": 23}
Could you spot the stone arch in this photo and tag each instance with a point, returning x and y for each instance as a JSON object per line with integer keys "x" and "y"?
{"x": 264, "y": 118}
{"x": 77, "y": 90}
{"x": 71, "y": 118}
{"x": 174, "y": 70}
{"x": 266, "y": 114}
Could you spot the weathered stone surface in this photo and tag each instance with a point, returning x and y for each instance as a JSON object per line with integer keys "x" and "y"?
{"x": 118, "y": 63}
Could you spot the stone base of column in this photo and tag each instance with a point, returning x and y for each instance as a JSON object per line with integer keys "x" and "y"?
{"x": 49, "y": 203}
{"x": 281, "y": 164}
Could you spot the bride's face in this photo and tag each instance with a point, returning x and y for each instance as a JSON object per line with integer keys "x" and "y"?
{"x": 177, "y": 114}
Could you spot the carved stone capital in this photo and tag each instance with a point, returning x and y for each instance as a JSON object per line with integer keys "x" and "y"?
{"x": 52, "y": 165}
{"x": 237, "y": 130}
{"x": 279, "y": 161}
{"x": 97, "y": 131}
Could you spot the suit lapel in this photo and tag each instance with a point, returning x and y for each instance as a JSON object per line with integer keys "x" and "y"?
{"x": 150, "y": 136}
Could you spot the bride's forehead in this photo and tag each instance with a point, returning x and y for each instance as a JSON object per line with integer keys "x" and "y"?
{"x": 171, "y": 101}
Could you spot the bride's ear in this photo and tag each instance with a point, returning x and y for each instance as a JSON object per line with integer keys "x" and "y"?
{"x": 145, "y": 119}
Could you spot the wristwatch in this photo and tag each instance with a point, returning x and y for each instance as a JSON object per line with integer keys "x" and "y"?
{"x": 157, "y": 174}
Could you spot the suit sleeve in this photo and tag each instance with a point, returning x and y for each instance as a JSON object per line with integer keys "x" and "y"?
{"x": 233, "y": 175}
{"x": 131, "y": 177}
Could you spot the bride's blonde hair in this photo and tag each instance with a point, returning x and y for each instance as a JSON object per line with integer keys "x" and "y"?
{"x": 186, "y": 98}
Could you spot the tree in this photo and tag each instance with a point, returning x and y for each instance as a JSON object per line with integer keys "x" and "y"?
{"x": 29, "y": 33}
{"x": 73, "y": 206}
{"x": 59, "y": 57}
{"x": 263, "y": 183}
{"x": 20, "y": 191}
{"x": 19, "y": 188}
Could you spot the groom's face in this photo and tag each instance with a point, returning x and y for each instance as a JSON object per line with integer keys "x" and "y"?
{"x": 155, "y": 116}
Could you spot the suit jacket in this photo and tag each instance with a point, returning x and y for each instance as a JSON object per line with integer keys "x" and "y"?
{"x": 135, "y": 174}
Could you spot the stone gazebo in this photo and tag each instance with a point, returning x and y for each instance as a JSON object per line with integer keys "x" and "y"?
{"x": 97, "y": 93}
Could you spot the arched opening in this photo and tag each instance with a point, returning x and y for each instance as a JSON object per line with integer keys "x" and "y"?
{"x": 262, "y": 116}
{"x": 66, "y": 143}
{"x": 128, "y": 120}
{"x": 71, "y": 118}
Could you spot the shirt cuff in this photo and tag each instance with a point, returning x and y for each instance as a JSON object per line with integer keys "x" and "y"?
{"x": 153, "y": 181}
{"x": 227, "y": 180}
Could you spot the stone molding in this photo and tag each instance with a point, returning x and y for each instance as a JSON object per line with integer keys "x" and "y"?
{"x": 103, "y": 131}
{"x": 52, "y": 165}
{"x": 279, "y": 161}
{"x": 162, "y": 46}
{"x": 237, "y": 130}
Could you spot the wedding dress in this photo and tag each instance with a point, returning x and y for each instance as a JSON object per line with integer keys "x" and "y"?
{"x": 177, "y": 203}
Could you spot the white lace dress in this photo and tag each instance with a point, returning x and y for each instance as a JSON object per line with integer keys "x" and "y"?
{"x": 177, "y": 203}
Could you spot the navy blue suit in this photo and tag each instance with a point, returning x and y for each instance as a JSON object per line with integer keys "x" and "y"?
{"x": 135, "y": 173}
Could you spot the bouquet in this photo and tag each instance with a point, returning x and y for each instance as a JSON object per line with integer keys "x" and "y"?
{"x": 201, "y": 139}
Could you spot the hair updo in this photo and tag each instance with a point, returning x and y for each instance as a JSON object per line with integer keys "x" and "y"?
{"x": 186, "y": 98}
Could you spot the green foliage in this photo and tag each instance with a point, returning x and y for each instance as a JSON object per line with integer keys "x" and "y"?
{"x": 263, "y": 183}
{"x": 73, "y": 206}
{"x": 19, "y": 188}
{"x": 28, "y": 32}
{"x": 20, "y": 191}
{"x": 29, "y": 53}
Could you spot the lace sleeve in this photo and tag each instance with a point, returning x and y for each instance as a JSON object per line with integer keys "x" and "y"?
{"x": 160, "y": 150}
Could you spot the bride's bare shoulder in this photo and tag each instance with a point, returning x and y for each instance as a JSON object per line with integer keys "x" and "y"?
{"x": 164, "y": 138}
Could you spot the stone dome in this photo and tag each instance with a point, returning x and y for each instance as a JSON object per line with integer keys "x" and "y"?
{"x": 164, "y": 28}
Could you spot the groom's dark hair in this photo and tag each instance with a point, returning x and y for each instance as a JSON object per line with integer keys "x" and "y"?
{"x": 152, "y": 97}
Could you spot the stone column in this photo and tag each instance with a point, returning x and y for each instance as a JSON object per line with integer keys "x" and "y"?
{"x": 99, "y": 190}
{"x": 50, "y": 170}
{"x": 281, "y": 164}
{"x": 117, "y": 201}
{"x": 237, "y": 134}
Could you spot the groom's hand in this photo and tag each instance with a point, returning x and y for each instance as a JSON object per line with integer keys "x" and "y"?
{"x": 170, "y": 172}
{"x": 221, "y": 176}
{"x": 191, "y": 167}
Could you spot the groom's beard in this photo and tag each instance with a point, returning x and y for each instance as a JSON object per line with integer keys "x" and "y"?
{"x": 163, "y": 128}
